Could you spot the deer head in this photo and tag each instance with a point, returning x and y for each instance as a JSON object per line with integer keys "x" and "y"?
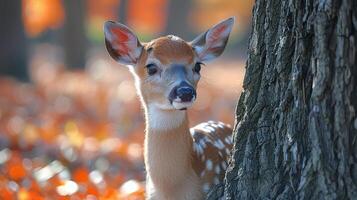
{"x": 166, "y": 69}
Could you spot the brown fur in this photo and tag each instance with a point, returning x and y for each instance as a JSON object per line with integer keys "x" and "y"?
{"x": 169, "y": 164}
{"x": 168, "y": 50}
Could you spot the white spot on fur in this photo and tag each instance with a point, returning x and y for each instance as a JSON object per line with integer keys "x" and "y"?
{"x": 219, "y": 125}
{"x": 174, "y": 38}
{"x": 216, "y": 180}
{"x": 214, "y": 125}
{"x": 227, "y": 140}
{"x": 210, "y": 129}
{"x": 160, "y": 119}
{"x": 209, "y": 165}
{"x": 219, "y": 144}
{"x": 204, "y": 127}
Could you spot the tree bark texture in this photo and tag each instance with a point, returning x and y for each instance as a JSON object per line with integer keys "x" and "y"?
{"x": 13, "y": 52}
{"x": 296, "y": 128}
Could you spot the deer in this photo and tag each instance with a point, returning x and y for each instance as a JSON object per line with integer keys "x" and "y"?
{"x": 181, "y": 162}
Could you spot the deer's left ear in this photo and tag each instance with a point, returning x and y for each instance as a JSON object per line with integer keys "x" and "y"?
{"x": 122, "y": 44}
{"x": 211, "y": 44}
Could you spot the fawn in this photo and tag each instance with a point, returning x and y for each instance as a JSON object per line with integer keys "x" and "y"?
{"x": 181, "y": 163}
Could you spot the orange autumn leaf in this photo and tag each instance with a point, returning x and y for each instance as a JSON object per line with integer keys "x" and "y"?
{"x": 35, "y": 187}
{"x": 24, "y": 194}
{"x": 109, "y": 194}
{"x": 17, "y": 172}
{"x": 5, "y": 193}
{"x": 92, "y": 190}
{"x": 80, "y": 175}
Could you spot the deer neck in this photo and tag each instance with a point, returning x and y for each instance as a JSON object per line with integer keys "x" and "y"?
{"x": 168, "y": 147}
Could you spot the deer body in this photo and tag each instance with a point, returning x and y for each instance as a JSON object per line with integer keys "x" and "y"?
{"x": 181, "y": 163}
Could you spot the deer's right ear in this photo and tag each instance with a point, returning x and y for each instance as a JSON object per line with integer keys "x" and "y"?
{"x": 122, "y": 44}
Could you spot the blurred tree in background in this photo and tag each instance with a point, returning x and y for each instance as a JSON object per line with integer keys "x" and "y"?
{"x": 123, "y": 11}
{"x": 75, "y": 43}
{"x": 76, "y": 26}
{"x": 178, "y": 19}
{"x": 13, "y": 45}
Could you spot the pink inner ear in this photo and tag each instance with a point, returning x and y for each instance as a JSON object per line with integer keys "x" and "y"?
{"x": 122, "y": 36}
{"x": 217, "y": 34}
{"x": 121, "y": 41}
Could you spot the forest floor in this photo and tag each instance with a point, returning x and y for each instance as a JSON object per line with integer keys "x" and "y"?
{"x": 79, "y": 135}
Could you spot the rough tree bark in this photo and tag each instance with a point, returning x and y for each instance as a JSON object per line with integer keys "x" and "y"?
{"x": 296, "y": 127}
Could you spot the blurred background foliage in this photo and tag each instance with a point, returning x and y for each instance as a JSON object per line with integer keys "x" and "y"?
{"x": 71, "y": 126}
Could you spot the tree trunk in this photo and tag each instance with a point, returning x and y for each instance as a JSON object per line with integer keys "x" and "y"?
{"x": 296, "y": 127}
{"x": 75, "y": 41}
{"x": 13, "y": 56}
{"x": 178, "y": 18}
{"x": 123, "y": 11}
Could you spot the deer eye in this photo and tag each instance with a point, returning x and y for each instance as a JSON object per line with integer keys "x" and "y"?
{"x": 151, "y": 69}
{"x": 197, "y": 67}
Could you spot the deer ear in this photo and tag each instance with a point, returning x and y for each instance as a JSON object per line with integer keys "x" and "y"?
{"x": 211, "y": 44}
{"x": 122, "y": 44}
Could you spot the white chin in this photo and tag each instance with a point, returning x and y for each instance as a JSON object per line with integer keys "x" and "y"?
{"x": 181, "y": 105}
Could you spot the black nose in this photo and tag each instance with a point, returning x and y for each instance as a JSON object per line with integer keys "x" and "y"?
{"x": 186, "y": 94}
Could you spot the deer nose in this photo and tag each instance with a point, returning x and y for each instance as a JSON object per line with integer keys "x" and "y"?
{"x": 182, "y": 93}
{"x": 186, "y": 94}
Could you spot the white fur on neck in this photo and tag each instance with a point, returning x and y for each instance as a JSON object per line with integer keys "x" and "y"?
{"x": 160, "y": 119}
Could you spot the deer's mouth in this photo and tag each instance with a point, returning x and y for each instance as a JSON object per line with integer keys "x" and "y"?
{"x": 182, "y": 105}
